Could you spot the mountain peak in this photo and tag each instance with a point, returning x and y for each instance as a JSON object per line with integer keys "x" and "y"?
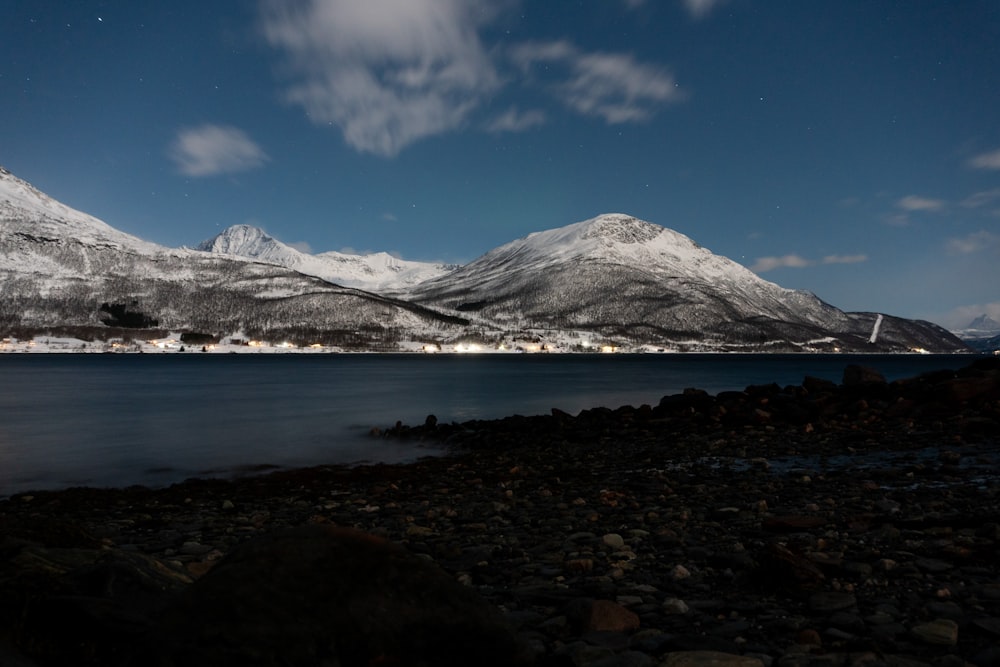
{"x": 245, "y": 240}
{"x": 984, "y": 323}
{"x": 621, "y": 228}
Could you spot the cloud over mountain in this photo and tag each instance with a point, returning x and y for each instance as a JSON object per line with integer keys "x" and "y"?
{"x": 210, "y": 150}
{"x": 389, "y": 73}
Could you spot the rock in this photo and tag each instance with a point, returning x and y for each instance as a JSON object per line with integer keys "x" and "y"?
{"x": 988, "y": 625}
{"x": 942, "y": 632}
{"x": 793, "y": 523}
{"x": 855, "y": 375}
{"x": 675, "y": 606}
{"x": 316, "y": 594}
{"x": 708, "y": 659}
{"x": 613, "y": 541}
{"x": 586, "y": 615}
{"x": 830, "y": 601}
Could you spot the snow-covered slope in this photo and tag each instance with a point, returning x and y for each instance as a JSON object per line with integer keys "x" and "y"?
{"x": 26, "y": 210}
{"x": 624, "y": 277}
{"x": 613, "y": 277}
{"x": 58, "y": 266}
{"x": 376, "y": 272}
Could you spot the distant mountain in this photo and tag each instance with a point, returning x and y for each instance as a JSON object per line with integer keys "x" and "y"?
{"x": 612, "y": 279}
{"x": 984, "y": 323}
{"x": 625, "y": 278}
{"x": 982, "y": 334}
{"x": 377, "y": 271}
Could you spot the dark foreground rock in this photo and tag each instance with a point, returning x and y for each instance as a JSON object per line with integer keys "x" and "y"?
{"x": 829, "y": 525}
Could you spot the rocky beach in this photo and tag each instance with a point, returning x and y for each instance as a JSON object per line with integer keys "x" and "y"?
{"x": 851, "y": 524}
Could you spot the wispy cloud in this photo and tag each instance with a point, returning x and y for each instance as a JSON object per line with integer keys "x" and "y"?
{"x": 209, "y": 150}
{"x": 389, "y": 73}
{"x": 514, "y": 120}
{"x": 701, "y": 8}
{"x": 612, "y": 86}
{"x": 844, "y": 259}
{"x": 794, "y": 261}
{"x": 386, "y": 72}
{"x": 764, "y": 264}
{"x": 973, "y": 243}
{"x": 916, "y": 203}
{"x": 301, "y": 246}
{"x": 989, "y": 160}
{"x": 980, "y": 199}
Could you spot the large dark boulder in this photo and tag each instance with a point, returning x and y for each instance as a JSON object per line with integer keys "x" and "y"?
{"x": 317, "y": 595}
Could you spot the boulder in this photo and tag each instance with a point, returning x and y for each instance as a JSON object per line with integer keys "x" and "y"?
{"x": 859, "y": 375}
{"x": 317, "y": 595}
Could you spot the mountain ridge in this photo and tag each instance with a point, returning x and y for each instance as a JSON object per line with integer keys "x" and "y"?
{"x": 610, "y": 278}
{"x": 375, "y": 271}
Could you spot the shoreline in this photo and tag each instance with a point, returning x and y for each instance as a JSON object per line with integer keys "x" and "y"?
{"x": 879, "y": 545}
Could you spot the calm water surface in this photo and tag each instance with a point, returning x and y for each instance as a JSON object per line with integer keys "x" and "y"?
{"x": 115, "y": 420}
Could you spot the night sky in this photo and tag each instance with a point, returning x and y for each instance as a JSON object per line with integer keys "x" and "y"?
{"x": 850, "y": 148}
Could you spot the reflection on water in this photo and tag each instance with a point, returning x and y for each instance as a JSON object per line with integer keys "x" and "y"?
{"x": 113, "y": 420}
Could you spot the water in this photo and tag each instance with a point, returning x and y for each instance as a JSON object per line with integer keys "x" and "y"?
{"x": 117, "y": 420}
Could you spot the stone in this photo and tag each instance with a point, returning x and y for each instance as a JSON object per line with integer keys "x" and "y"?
{"x": 314, "y": 594}
{"x": 675, "y": 606}
{"x": 941, "y": 632}
{"x": 831, "y": 601}
{"x": 708, "y": 659}
{"x": 587, "y": 615}
{"x": 613, "y": 541}
{"x": 859, "y": 375}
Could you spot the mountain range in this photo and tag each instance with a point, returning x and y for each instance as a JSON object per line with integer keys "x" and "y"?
{"x": 611, "y": 280}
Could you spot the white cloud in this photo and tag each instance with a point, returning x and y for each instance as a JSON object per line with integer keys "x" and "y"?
{"x": 701, "y": 8}
{"x": 386, "y": 72}
{"x": 389, "y": 73}
{"x": 209, "y": 150}
{"x": 989, "y": 160}
{"x": 979, "y": 199}
{"x": 915, "y": 203}
{"x": 973, "y": 243}
{"x": 612, "y": 86}
{"x": 301, "y": 246}
{"x": 764, "y": 264}
{"x": 845, "y": 259}
{"x": 794, "y": 261}
{"x": 514, "y": 120}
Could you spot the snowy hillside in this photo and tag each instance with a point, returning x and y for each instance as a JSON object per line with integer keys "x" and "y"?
{"x": 376, "y": 272}
{"x": 62, "y": 268}
{"x": 612, "y": 280}
{"x": 26, "y": 210}
{"x": 628, "y": 278}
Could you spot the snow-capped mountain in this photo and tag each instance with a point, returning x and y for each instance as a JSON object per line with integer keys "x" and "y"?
{"x": 612, "y": 278}
{"x": 982, "y": 333}
{"x": 375, "y": 272}
{"x": 62, "y": 268}
{"x": 624, "y": 277}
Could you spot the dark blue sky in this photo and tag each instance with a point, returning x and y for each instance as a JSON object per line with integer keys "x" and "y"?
{"x": 849, "y": 148}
